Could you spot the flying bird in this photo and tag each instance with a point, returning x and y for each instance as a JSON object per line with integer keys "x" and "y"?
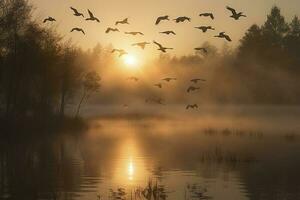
{"x": 204, "y": 29}
{"x": 197, "y": 79}
{"x": 182, "y": 19}
{"x": 49, "y": 19}
{"x": 124, "y": 21}
{"x": 133, "y": 78}
{"x": 223, "y": 35}
{"x": 168, "y": 32}
{"x": 134, "y": 33}
{"x": 92, "y": 17}
{"x": 207, "y": 15}
{"x": 111, "y": 29}
{"x": 204, "y": 50}
{"x": 235, "y": 15}
{"x": 141, "y": 44}
{"x": 79, "y": 30}
{"x": 120, "y": 51}
{"x": 76, "y": 13}
{"x": 169, "y": 79}
{"x": 161, "y": 18}
{"x": 194, "y": 106}
{"x": 155, "y": 100}
{"x": 161, "y": 48}
{"x": 159, "y": 85}
{"x": 192, "y": 88}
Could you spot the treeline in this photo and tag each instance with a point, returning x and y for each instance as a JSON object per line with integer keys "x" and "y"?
{"x": 39, "y": 73}
{"x": 263, "y": 69}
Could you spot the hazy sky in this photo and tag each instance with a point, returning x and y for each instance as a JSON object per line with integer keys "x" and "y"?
{"x": 143, "y": 13}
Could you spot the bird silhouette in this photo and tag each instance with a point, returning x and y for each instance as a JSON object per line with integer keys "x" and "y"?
{"x": 49, "y": 19}
{"x": 78, "y": 29}
{"x": 134, "y": 33}
{"x": 159, "y": 85}
{"x": 204, "y": 50}
{"x": 124, "y": 21}
{"x": 204, "y": 29}
{"x": 191, "y": 106}
{"x": 76, "y": 13}
{"x": 141, "y": 44}
{"x": 125, "y": 105}
{"x": 207, "y": 15}
{"x": 133, "y": 78}
{"x": 182, "y": 19}
{"x": 120, "y": 51}
{"x": 92, "y": 17}
{"x": 168, "y": 32}
{"x": 169, "y": 79}
{"x": 111, "y": 29}
{"x": 161, "y": 48}
{"x": 155, "y": 100}
{"x": 235, "y": 15}
{"x": 192, "y": 88}
{"x": 161, "y": 18}
{"x": 197, "y": 79}
{"x": 223, "y": 35}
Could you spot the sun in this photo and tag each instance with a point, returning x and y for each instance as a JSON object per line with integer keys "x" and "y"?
{"x": 130, "y": 61}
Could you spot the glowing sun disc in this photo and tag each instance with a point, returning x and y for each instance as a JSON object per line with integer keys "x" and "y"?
{"x": 130, "y": 60}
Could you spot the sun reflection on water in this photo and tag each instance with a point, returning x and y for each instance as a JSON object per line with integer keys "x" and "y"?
{"x": 130, "y": 170}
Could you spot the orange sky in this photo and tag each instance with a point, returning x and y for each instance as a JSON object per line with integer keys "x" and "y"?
{"x": 143, "y": 13}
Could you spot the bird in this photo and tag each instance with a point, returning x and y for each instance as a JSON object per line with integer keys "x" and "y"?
{"x": 161, "y": 48}
{"x": 134, "y": 33}
{"x": 223, "y": 35}
{"x": 182, "y": 19}
{"x": 124, "y": 21}
{"x": 155, "y": 100}
{"x": 120, "y": 51}
{"x": 111, "y": 29}
{"x": 204, "y": 50}
{"x": 141, "y": 44}
{"x": 79, "y": 30}
{"x": 125, "y": 105}
{"x": 168, "y": 32}
{"x": 133, "y": 78}
{"x": 211, "y": 15}
{"x": 191, "y": 106}
{"x": 205, "y": 28}
{"x": 235, "y": 15}
{"x": 92, "y": 17}
{"x": 49, "y": 19}
{"x": 159, "y": 85}
{"x": 169, "y": 79}
{"x": 161, "y": 18}
{"x": 192, "y": 88}
{"x": 197, "y": 79}
{"x": 76, "y": 13}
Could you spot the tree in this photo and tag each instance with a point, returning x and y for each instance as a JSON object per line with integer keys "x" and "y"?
{"x": 91, "y": 84}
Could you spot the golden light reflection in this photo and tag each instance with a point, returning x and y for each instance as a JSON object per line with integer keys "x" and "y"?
{"x": 130, "y": 170}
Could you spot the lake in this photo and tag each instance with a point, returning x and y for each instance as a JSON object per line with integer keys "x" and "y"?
{"x": 229, "y": 152}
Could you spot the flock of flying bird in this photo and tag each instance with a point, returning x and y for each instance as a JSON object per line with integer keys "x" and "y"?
{"x": 235, "y": 15}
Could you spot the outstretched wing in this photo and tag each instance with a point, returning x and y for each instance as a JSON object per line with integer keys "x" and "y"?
{"x": 227, "y": 38}
{"x": 91, "y": 14}
{"x": 159, "y": 45}
{"x": 74, "y": 10}
{"x": 158, "y": 20}
{"x": 232, "y": 10}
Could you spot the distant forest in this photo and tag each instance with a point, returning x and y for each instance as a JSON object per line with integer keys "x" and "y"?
{"x": 40, "y": 73}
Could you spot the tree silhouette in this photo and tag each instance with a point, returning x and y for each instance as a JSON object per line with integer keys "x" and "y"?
{"x": 91, "y": 84}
